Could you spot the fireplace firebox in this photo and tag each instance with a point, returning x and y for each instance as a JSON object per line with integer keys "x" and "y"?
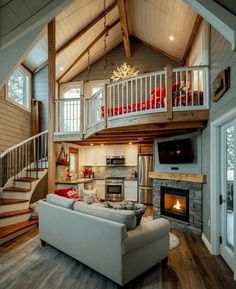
{"x": 175, "y": 203}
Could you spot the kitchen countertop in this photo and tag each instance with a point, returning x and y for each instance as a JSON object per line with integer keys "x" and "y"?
{"x": 131, "y": 179}
{"x": 75, "y": 182}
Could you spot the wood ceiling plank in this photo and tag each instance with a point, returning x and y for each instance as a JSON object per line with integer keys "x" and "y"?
{"x": 124, "y": 28}
{"x": 160, "y": 51}
{"x": 88, "y": 48}
{"x": 192, "y": 38}
{"x": 78, "y": 35}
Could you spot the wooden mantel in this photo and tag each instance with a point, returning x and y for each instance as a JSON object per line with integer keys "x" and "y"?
{"x": 192, "y": 178}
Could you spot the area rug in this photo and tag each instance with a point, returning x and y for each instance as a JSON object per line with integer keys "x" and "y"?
{"x": 174, "y": 240}
{"x": 32, "y": 266}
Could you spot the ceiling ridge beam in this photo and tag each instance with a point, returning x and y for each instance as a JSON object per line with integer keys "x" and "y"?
{"x": 124, "y": 28}
{"x": 78, "y": 35}
{"x": 159, "y": 50}
{"x": 192, "y": 37}
{"x": 107, "y": 29}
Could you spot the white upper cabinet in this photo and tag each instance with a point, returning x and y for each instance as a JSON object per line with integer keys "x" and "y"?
{"x": 96, "y": 155}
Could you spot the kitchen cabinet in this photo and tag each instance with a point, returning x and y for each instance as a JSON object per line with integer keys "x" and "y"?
{"x": 96, "y": 155}
{"x": 131, "y": 190}
{"x": 145, "y": 149}
{"x": 99, "y": 186}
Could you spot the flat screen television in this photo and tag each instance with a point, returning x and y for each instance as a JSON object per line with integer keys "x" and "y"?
{"x": 175, "y": 152}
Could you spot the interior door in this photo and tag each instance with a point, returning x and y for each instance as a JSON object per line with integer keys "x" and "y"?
{"x": 227, "y": 197}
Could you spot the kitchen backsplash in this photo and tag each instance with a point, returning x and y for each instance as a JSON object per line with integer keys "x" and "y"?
{"x": 104, "y": 172}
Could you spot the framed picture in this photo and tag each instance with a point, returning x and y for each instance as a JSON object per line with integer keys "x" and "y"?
{"x": 221, "y": 84}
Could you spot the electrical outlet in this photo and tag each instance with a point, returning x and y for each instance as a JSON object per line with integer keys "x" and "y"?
{"x": 209, "y": 222}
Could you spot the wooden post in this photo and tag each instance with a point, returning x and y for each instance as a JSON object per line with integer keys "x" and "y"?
{"x": 51, "y": 97}
{"x": 35, "y": 117}
{"x": 82, "y": 114}
{"x": 168, "y": 84}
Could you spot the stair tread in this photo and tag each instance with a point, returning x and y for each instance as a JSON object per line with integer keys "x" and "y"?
{"x": 11, "y": 201}
{"x": 14, "y": 213}
{"x": 11, "y": 229}
{"x": 15, "y": 189}
{"x": 28, "y": 180}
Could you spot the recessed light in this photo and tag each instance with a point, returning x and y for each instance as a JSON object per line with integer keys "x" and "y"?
{"x": 91, "y": 144}
{"x": 61, "y": 68}
{"x": 171, "y": 38}
{"x": 130, "y": 142}
{"x": 102, "y": 144}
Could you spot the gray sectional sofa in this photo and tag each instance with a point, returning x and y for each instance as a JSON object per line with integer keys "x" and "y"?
{"x": 101, "y": 240}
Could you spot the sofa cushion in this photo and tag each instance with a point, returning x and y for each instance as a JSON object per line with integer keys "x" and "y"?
{"x": 68, "y": 193}
{"x": 125, "y": 217}
{"x": 60, "y": 201}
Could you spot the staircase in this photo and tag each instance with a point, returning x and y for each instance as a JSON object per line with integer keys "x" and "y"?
{"x": 21, "y": 168}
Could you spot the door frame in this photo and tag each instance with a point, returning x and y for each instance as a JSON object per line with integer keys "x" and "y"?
{"x": 215, "y": 179}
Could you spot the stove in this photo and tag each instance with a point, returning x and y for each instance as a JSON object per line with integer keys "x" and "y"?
{"x": 114, "y": 189}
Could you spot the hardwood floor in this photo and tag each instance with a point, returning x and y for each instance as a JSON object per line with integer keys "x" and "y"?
{"x": 190, "y": 265}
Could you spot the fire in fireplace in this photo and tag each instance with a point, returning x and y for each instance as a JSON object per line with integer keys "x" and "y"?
{"x": 175, "y": 203}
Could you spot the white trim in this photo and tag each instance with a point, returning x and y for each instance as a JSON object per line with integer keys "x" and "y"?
{"x": 217, "y": 16}
{"x": 207, "y": 243}
{"x": 28, "y": 90}
{"x": 215, "y": 178}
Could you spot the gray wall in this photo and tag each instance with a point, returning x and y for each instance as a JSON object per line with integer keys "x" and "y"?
{"x": 221, "y": 56}
{"x": 40, "y": 92}
{"x": 144, "y": 58}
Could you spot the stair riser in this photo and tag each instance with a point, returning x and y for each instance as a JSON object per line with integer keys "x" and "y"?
{"x": 15, "y": 195}
{"x": 13, "y": 220}
{"x": 23, "y": 185}
{"x": 16, "y": 234}
{"x": 14, "y": 207}
{"x": 33, "y": 174}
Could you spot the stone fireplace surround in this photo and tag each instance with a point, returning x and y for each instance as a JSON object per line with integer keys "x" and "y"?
{"x": 194, "y": 225}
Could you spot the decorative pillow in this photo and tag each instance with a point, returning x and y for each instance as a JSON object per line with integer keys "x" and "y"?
{"x": 68, "y": 193}
{"x": 89, "y": 196}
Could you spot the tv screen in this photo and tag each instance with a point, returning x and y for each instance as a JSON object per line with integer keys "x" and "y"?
{"x": 175, "y": 152}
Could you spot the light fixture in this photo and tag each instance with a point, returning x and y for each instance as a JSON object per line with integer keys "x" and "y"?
{"x": 130, "y": 143}
{"x": 61, "y": 68}
{"x": 91, "y": 144}
{"x": 171, "y": 38}
{"x": 102, "y": 144}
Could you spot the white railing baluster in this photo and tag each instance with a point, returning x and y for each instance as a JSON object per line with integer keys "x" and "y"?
{"x": 136, "y": 94}
{"x": 186, "y": 86}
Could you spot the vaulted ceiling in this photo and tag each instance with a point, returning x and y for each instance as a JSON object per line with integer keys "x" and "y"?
{"x": 82, "y": 25}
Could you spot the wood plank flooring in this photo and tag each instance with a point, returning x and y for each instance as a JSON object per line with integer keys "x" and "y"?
{"x": 190, "y": 266}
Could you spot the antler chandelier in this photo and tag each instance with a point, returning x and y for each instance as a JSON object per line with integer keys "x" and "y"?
{"x": 124, "y": 72}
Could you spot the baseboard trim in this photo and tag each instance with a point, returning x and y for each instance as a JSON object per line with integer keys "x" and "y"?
{"x": 206, "y": 242}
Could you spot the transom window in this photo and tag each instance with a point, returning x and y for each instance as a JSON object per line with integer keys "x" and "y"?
{"x": 18, "y": 88}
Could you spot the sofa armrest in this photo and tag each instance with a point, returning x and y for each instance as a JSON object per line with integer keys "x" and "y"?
{"x": 146, "y": 233}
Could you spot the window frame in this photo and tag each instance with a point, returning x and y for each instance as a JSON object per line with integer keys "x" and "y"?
{"x": 70, "y": 85}
{"x": 29, "y": 90}
{"x": 74, "y": 151}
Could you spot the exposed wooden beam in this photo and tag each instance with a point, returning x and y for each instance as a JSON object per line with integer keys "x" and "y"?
{"x": 160, "y": 51}
{"x": 108, "y": 28}
{"x": 192, "y": 38}
{"x": 51, "y": 97}
{"x": 124, "y": 28}
{"x": 78, "y": 35}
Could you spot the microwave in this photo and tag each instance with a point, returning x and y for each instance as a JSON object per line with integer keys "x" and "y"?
{"x": 115, "y": 161}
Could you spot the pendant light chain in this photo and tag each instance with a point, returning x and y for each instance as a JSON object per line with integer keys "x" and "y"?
{"x": 105, "y": 37}
{"x": 88, "y": 69}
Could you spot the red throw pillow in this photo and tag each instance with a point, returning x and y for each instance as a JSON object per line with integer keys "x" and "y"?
{"x": 69, "y": 193}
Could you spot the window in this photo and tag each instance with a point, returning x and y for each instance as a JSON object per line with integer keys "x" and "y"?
{"x": 19, "y": 88}
{"x": 73, "y": 156}
{"x": 70, "y": 106}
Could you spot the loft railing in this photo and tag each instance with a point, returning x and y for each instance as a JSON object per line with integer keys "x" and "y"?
{"x": 133, "y": 96}
{"x": 67, "y": 112}
{"x": 19, "y": 160}
{"x": 170, "y": 90}
{"x": 93, "y": 108}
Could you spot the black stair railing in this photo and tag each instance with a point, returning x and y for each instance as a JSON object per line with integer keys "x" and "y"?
{"x": 24, "y": 159}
